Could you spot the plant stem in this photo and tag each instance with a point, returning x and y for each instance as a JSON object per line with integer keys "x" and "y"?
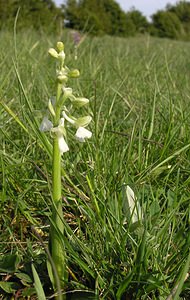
{"x": 57, "y": 227}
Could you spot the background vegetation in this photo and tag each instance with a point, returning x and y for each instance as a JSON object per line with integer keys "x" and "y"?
{"x": 139, "y": 95}
{"x": 97, "y": 17}
{"x": 139, "y": 101}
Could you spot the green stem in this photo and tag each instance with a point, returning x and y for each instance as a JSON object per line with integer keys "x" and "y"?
{"x": 57, "y": 228}
{"x": 56, "y": 171}
{"x": 58, "y": 95}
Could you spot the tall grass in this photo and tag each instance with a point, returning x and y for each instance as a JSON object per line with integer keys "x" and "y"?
{"x": 139, "y": 91}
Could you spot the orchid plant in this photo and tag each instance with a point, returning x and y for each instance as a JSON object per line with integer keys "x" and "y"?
{"x": 60, "y": 115}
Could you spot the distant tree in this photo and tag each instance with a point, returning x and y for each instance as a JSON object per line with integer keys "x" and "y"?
{"x": 182, "y": 11}
{"x": 92, "y": 16}
{"x": 35, "y": 13}
{"x": 130, "y": 26}
{"x": 82, "y": 15}
{"x": 6, "y": 12}
{"x": 71, "y": 12}
{"x": 140, "y": 22}
{"x": 116, "y": 16}
{"x": 96, "y": 16}
{"x": 166, "y": 24}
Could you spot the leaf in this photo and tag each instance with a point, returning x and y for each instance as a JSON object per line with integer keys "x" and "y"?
{"x": 182, "y": 278}
{"x": 9, "y": 263}
{"x": 25, "y": 278}
{"x": 154, "y": 207}
{"x": 50, "y": 272}
{"x": 8, "y": 287}
{"x": 123, "y": 286}
{"x": 13, "y": 115}
{"x": 171, "y": 198}
{"x": 38, "y": 285}
{"x": 28, "y": 292}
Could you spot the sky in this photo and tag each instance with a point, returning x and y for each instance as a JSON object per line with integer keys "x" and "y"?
{"x": 147, "y": 7}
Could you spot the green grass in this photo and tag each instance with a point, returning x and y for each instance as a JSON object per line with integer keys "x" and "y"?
{"x": 139, "y": 91}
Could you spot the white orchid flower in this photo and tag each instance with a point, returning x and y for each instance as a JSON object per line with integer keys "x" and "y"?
{"x": 63, "y": 147}
{"x": 82, "y": 134}
{"x": 47, "y": 125}
{"x": 80, "y": 122}
{"x": 59, "y": 131}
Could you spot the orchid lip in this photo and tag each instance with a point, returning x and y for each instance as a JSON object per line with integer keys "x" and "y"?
{"x": 63, "y": 147}
{"x": 82, "y": 134}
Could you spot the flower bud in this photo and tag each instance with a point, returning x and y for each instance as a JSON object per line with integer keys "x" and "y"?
{"x": 79, "y": 102}
{"x": 62, "y": 78}
{"x": 51, "y": 109}
{"x": 61, "y": 56}
{"x": 67, "y": 92}
{"x": 74, "y": 73}
{"x": 60, "y": 46}
{"x": 53, "y": 52}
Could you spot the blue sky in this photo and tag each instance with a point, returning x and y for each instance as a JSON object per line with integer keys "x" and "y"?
{"x": 147, "y": 7}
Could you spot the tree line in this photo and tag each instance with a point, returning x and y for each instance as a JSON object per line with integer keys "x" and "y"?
{"x": 39, "y": 14}
{"x": 97, "y": 17}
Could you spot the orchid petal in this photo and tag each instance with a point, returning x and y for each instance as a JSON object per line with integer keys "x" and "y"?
{"x": 83, "y": 121}
{"x": 67, "y": 118}
{"x": 46, "y": 125}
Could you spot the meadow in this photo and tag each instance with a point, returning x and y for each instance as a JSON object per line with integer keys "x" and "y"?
{"x": 139, "y": 91}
